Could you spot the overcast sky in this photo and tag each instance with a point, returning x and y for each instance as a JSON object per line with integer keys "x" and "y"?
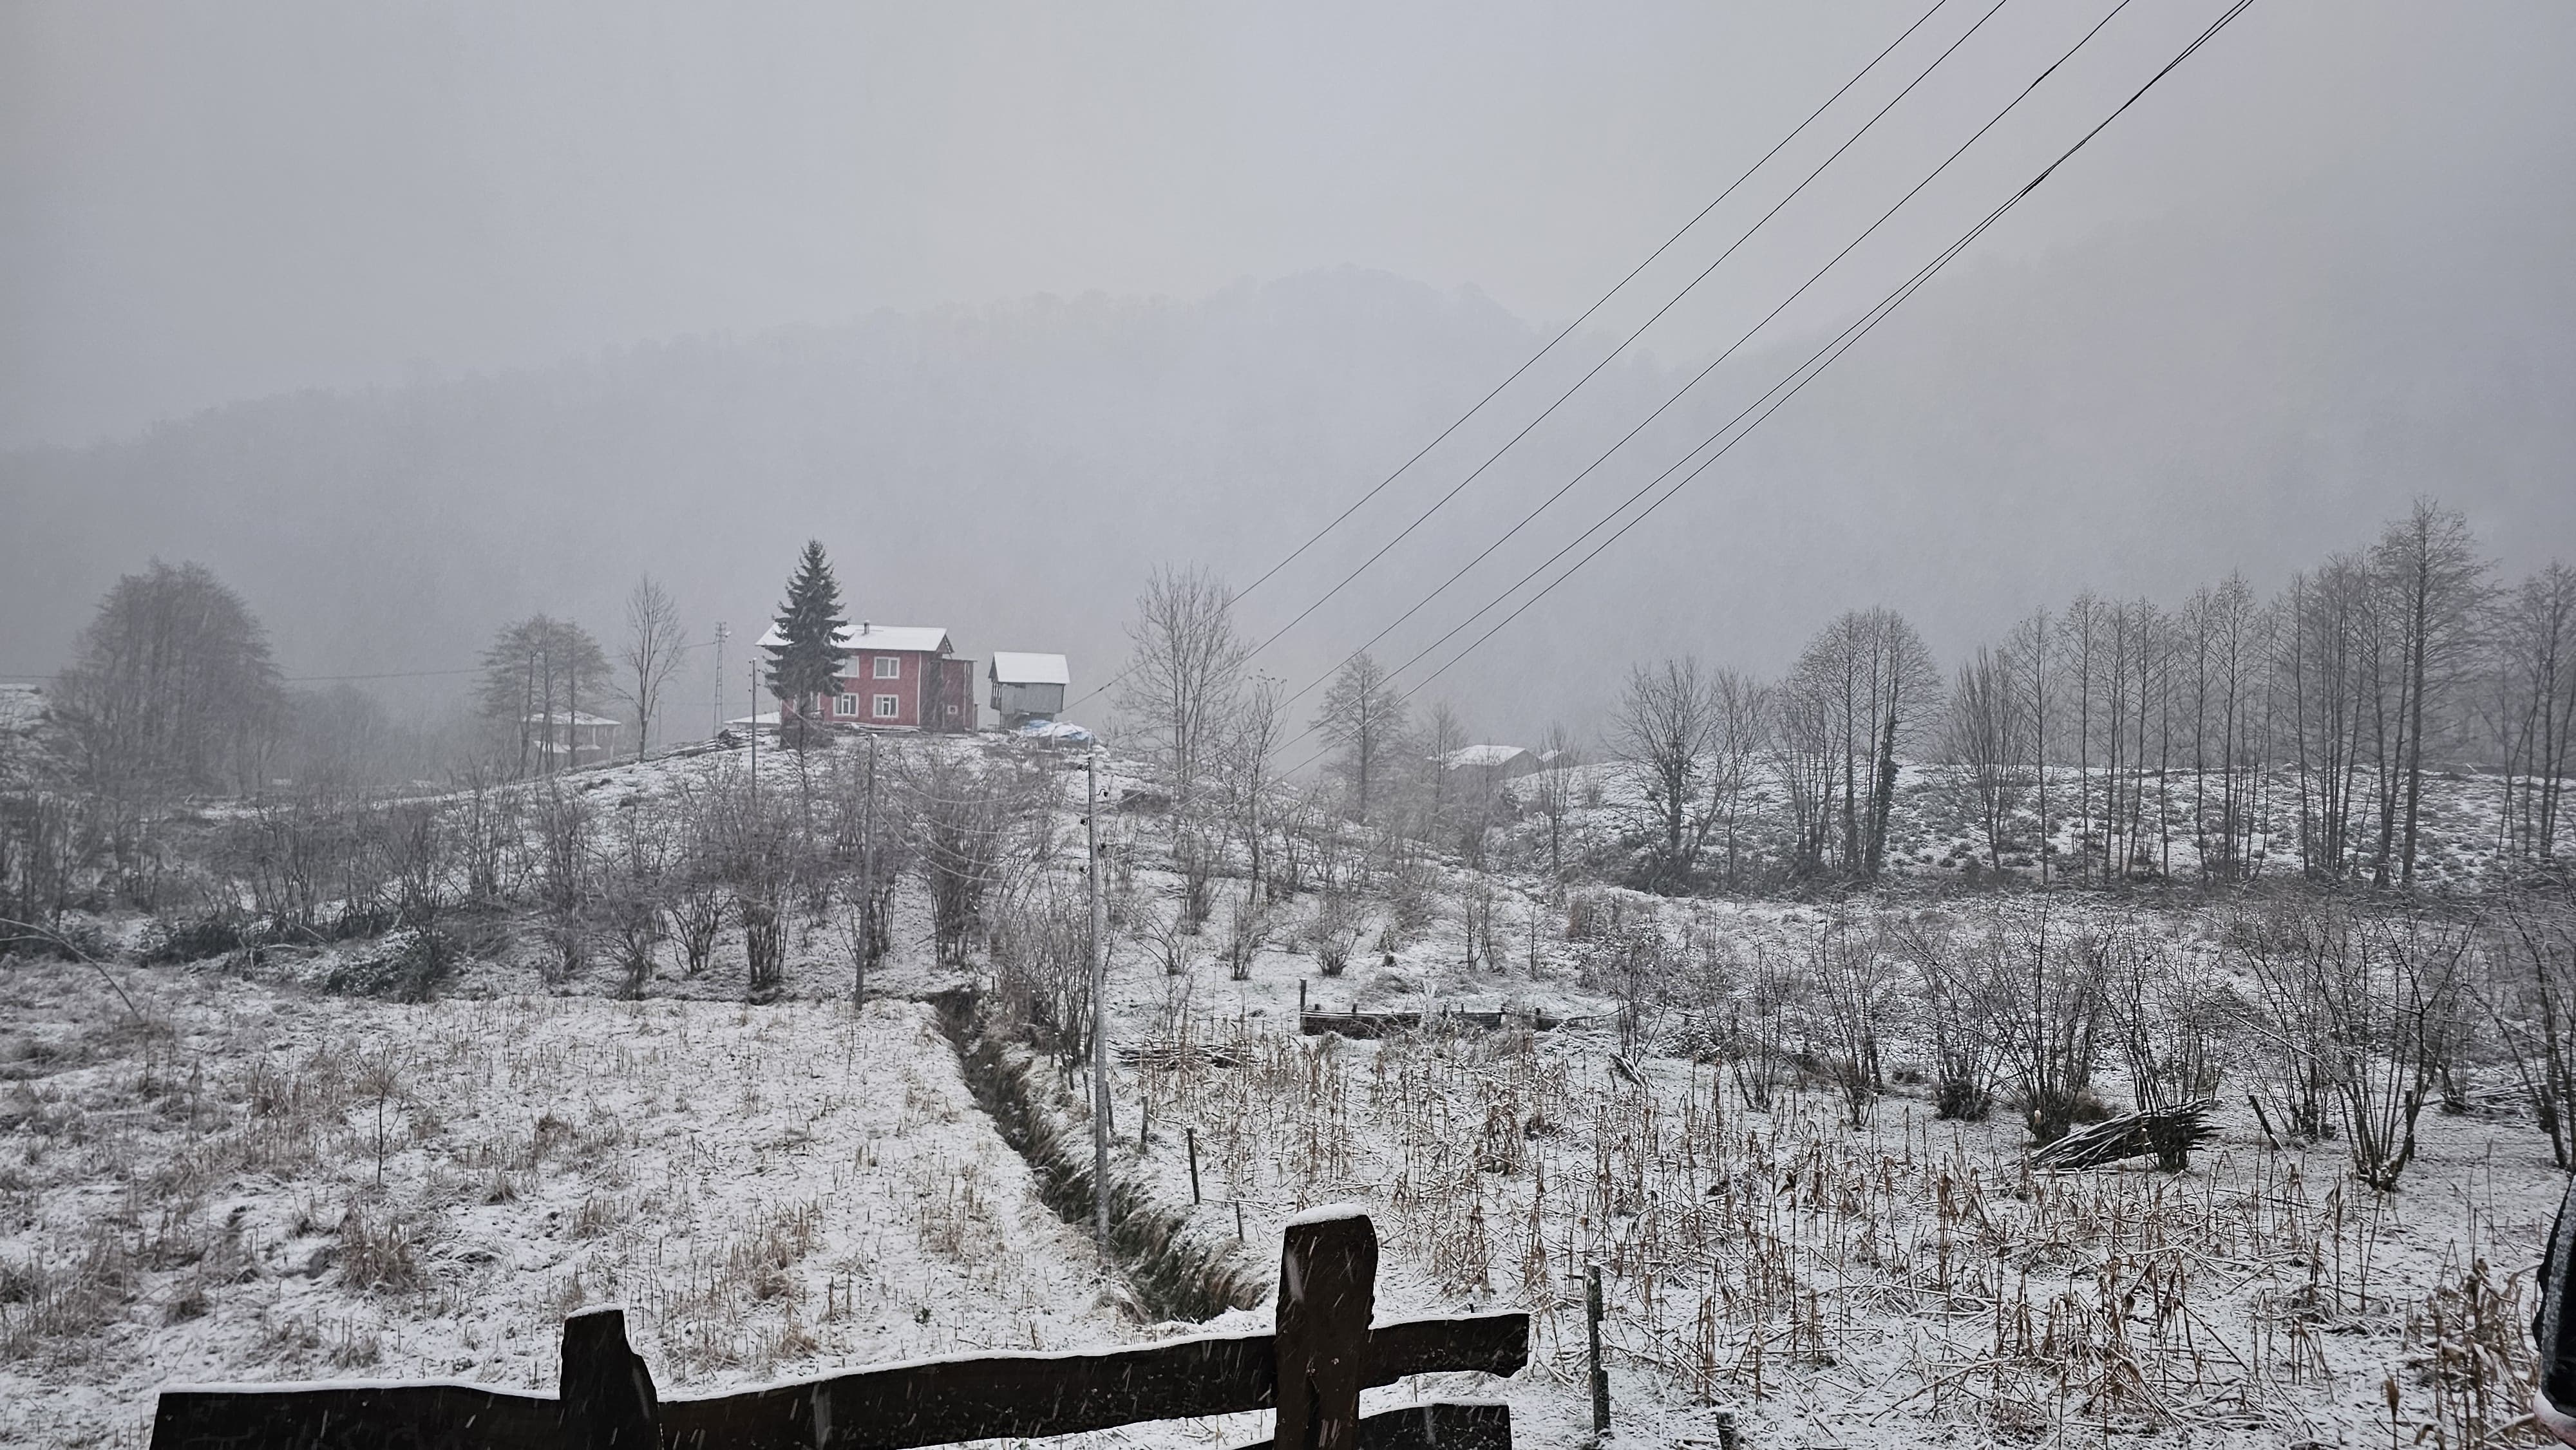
{"x": 204, "y": 202}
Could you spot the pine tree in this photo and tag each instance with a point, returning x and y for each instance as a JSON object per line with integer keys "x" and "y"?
{"x": 806, "y": 663}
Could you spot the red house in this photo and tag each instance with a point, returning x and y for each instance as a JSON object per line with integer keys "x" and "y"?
{"x": 898, "y": 677}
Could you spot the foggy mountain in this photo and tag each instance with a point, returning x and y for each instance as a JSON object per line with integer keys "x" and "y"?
{"x": 2138, "y": 413}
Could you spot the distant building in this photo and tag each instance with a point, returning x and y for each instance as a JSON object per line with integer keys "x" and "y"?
{"x": 1494, "y": 762}
{"x": 571, "y": 737}
{"x": 897, "y": 677}
{"x": 1027, "y": 687}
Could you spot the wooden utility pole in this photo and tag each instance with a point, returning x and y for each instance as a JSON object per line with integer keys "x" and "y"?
{"x": 754, "y": 663}
{"x": 868, "y": 876}
{"x": 1099, "y": 1016}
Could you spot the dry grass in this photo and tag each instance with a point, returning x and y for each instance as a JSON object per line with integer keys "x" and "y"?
{"x": 1860, "y": 1279}
{"x": 297, "y": 1187}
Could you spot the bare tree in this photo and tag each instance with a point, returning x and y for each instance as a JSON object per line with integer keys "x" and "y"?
{"x": 2529, "y": 993}
{"x": 2048, "y": 995}
{"x": 1260, "y": 728}
{"x": 962, "y": 813}
{"x": 1864, "y": 687}
{"x": 171, "y": 690}
{"x": 1983, "y": 731}
{"x": 2434, "y": 582}
{"x": 2368, "y": 1005}
{"x": 1364, "y": 715}
{"x": 1444, "y": 735}
{"x": 2329, "y": 677}
{"x": 1663, "y": 733}
{"x": 1334, "y": 932}
{"x": 1955, "y": 994}
{"x": 652, "y": 652}
{"x": 1183, "y": 675}
{"x": 2035, "y": 692}
{"x": 2532, "y": 707}
{"x": 1851, "y": 999}
{"x": 1559, "y": 759}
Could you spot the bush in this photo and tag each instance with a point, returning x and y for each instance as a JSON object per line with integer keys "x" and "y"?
{"x": 408, "y": 966}
{"x": 1960, "y": 1100}
{"x": 215, "y": 935}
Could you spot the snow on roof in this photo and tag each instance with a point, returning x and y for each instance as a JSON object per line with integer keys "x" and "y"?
{"x": 926, "y": 639}
{"x": 577, "y": 717}
{"x": 1472, "y": 755}
{"x": 1012, "y": 667}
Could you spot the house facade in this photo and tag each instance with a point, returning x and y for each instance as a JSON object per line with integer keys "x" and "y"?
{"x": 897, "y": 677}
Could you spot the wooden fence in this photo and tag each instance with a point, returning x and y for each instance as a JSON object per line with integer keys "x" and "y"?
{"x": 1324, "y": 1349}
{"x": 1354, "y": 1023}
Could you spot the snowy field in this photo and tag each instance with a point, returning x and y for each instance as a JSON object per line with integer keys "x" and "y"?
{"x": 1830, "y": 1286}
{"x": 243, "y": 1174}
{"x": 255, "y": 1183}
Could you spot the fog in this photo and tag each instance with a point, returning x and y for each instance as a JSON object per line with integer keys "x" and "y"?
{"x": 408, "y": 322}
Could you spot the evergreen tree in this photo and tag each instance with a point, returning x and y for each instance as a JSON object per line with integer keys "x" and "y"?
{"x": 806, "y": 662}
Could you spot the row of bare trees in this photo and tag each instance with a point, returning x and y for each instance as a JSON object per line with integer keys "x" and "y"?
{"x": 539, "y": 673}
{"x": 2238, "y": 730}
{"x": 2116, "y": 739}
{"x": 1213, "y": 732}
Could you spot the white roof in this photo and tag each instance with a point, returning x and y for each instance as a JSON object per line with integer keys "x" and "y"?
{"x": 1014, "y": 668}
{"x": 576, "y": 717}
{"x": 1482, "y": 755}
{"x": 918, "y": 638}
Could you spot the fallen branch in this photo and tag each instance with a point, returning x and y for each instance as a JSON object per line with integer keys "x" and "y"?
{"x": 2169, "y": 1134}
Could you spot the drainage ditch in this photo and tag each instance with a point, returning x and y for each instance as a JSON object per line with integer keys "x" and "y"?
{"x": 1173, "y": 1272}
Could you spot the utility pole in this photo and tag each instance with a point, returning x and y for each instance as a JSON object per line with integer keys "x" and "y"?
{"x": 1099, "y": 1018}
{"x": 715, "y": 727}
{"x": 754, "y": 663}
{"x": 868, "y": 875}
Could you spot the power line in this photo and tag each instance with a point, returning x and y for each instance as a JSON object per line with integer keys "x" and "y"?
{"x": 1797, "y": 380}
{"x": 1600, "y": 302}
{"x": 1603, "y": 300}
{"x": 1625, "y": 343}
{"x": 1713, "y": 364}
{"x": 1551, "y": 500}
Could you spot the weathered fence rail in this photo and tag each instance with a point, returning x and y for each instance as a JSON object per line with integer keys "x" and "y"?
{"x": 1323, "y": 1350}
{"x": 1354, "y": 1023}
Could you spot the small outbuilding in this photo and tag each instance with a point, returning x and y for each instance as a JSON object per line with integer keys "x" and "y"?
{"x": 1027, "y": 686}
{"x": 1492, "y": 762}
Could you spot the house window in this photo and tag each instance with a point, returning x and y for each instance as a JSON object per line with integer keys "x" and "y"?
{"x": 889, "y": 706}
{"x": 849, "y": 706}
{"x": 889, "y": 667}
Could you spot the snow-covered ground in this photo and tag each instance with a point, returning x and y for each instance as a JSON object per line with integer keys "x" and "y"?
{"x": 1830, "y": 1286}
{"x": 263, "y": 1183}
{"x": 247, "y": 1178}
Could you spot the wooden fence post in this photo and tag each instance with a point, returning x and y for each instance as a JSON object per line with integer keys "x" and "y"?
{"x": 607, "y": 1393}
{"x": 1600, "y": 1376}
{"x": 1327, "y": 1296}
{"x": 1194, "y": 1163}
